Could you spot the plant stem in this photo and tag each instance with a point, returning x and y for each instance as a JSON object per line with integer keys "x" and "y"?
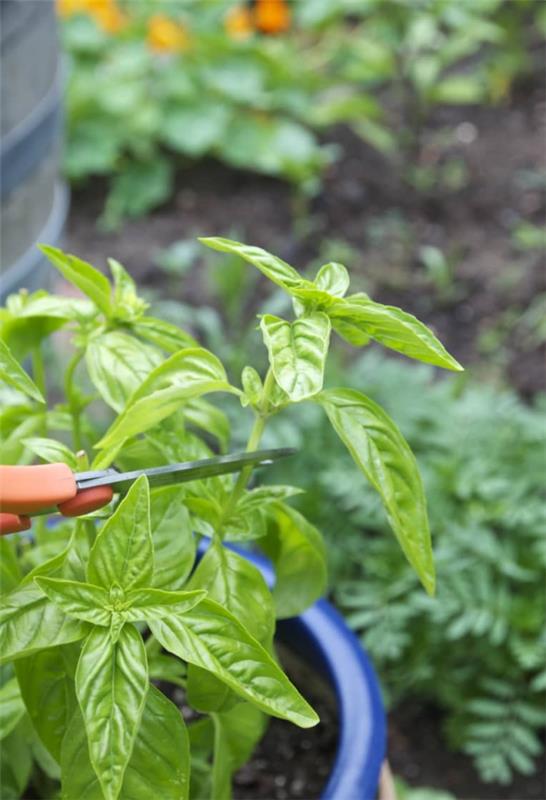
{"x": 73, "y": 403}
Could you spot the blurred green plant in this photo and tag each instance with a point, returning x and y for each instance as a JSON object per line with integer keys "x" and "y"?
{"x": 478, "y": 650}
{"x": 156, "y": 85}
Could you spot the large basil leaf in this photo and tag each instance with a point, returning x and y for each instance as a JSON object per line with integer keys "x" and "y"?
{"x": 236, "y": 733}
{"x": 298, "y": 552}
{"x": 15, "y": 763}
{"x": 111, "y": 687}
{"x": 269, "y": 265}
{"x": 10, "y": 569}
{"x": 30, "y": 622}
{"x": 212, "y": 638}
{"x": 117, "y": 364}
{"x": 381, "y": 452}
{"x": 394, "y": 328}
{"x": 237, "y": 585}
{"x": 159, "y": 766}
{"x": 163, "y": 334}
{"x": 173, "y": 540}
{"x": 202, "y": 414}
{"x": 12, "y": 707}
{"x": 147, "y": 604}
{"x": 297, "y": 352}
{"x": 51, "y": 451}
{"x": 185, "y": 375}
{"x": 88, "y": 279}
{"x": 80, "y": 600}
{"x": 48, "y": 694}
{"x": 14, "y": 375}
{"x": 123, "y": 551}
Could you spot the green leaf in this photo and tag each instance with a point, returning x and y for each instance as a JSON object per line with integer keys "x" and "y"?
{"x": 237, "y": 585}
{"x": 15, "y": 763}
{"x": 12, "y": 707}
{"x": 333, "y": 278}
{"x": 212, "y": 638}
{"x": 141, "y": 186}
{"x": 190, "y": 373}
{"x": 118, "y": 364}
{"x": 48, "y": 694}
{"x": 353, "y": 334}
{"x": 81, "y": 274}
{"x": 79, "y": 600}
{"x": 123, "y": 550}
{"x": 30, "y": 622}
{"x": 297, "y": 550}
{"x": 269, "y": 265}
{"x": 147, "y": 604}
{"x": 163, "y": 334}
{"x": 252, "y": 387}
{"x": 297, "y": 352}
{"x": 111, "y": 686}
{"x": 202, "y": 414}
{"x": 51, "y": 451}
{"x": 128, "y": 306}
{"x": 236, "y": 733}
{"x": 159, "y": 766}
{"x": 248, "y": 522}
{"x": 10, "y": 570}
{"x": 383, "y": 455}
{"x": 173, "y": 540}
{"x": 395, "y": 329}
{"x": 14, "y": 375}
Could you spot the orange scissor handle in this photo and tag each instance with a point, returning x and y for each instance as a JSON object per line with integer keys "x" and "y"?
{"x": 26, "y": 490}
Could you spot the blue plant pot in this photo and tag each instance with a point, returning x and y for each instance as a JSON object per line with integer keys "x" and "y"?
{"x": 322, "y": 639}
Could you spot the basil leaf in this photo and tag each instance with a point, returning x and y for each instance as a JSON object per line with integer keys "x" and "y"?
{"x": 80, "y": 600}
{"x": 81, "y": 274}
{"x": 51, "y": 451}
{"x": 159, "y": 766}
{"x": 10, "y": 570}
{"x": 394, "y": 328}
{"x": 298, "y": 552}
{"x": 127, "y": 305}
{"x": 333, "y": 278}
{"x": 14, "y": 375}
{"x": 252, "y": 387}
{"x": 30, "y": 622}
{"x": 49, "y": 695}
{"x": 269, "y": 265}
{"x": 187, "y": 374}
{"x": 352, "y": 333}
{"x": 212, "y": 638}
{"x": 297, "y": 352}
{"x": 118, "y": 364}
{"x": 204, "y": 415}
{"x": 12, "y": 708}
{"x": 111, "y": 687}
{"x": 237, "y": 585}
{"x": 123, "y": 551}
{"x": 15, "y": 763}
{"x": 383, "y": 455}
{"x": 173, "y": 541}
{"x": 206, "y": 692}
{"x": 147, "y": 604}
{"x": 163, "y": 334}
{"x": 236, "y": 734}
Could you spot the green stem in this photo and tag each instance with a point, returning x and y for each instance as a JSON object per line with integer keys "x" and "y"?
{"x": 73, "y": 403}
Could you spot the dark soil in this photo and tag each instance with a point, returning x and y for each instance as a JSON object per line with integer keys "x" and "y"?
{"x": 365, "y": 203}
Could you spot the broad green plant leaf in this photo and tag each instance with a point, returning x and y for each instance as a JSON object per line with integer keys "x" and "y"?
{"x": 297, "y": 352}
{"x": 30, "y": 622}
{"x": 14, "y": 375}
{"x": 185, "y": 375}
{"x": 12, "y": 707}
{"x": 79, "y": 600}
{"x": 163, "y": 334}
{"x": 173, "y": 540}
{"x": 111, "y": 687}
{"x": 148, "y": 604}
{"x": 15, "y": 763}
{"x": 10, "y": 569}
{"x": 49, "y": 695}
{"x": 212, "y": 638}
{"x": 299, "y": 555}
{"x": 236, "y": 733}
{"x": 123, "y": 550}
{"x": 202, "y": 414}
{"x": 159, "y": 766}
{"x": 383, "y": 455}
{"x": 395, "y": 329}
{"x": 81, "y": 274}
{"x": 118, "y": 364}
{"x": 333, "y": 278}
{"x": 51, "y": 451}
{"x": 269, "y": 265}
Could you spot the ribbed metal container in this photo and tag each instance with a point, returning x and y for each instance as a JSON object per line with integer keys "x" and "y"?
{"x": 33, "y": 199}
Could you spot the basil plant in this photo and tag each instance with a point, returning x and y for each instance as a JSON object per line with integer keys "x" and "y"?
{"x": 103, "y": 615}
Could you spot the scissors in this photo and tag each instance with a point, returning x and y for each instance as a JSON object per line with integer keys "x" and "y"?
{"x": 54, "y": 488}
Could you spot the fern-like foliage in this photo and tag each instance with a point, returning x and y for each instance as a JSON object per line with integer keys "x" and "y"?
{"x": 479, "y": 648}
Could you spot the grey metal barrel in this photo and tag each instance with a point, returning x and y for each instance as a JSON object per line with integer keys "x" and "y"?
{"x": 33, "y": 199}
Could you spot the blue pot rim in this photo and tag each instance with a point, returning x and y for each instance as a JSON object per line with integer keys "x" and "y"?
{"x": 321, "y": 636}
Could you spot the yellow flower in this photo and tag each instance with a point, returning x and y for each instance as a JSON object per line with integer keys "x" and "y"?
{"x": 167, "y": 36}
{"x": 239, "y": 23}
{"x": 272, "y": 16}
{"x": 106, "y": 13}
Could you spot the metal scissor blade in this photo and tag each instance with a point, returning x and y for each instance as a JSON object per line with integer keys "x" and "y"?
{"x": 183, "y": 472}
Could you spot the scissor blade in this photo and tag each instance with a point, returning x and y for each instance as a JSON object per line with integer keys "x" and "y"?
{"x": 183, "y": 472}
